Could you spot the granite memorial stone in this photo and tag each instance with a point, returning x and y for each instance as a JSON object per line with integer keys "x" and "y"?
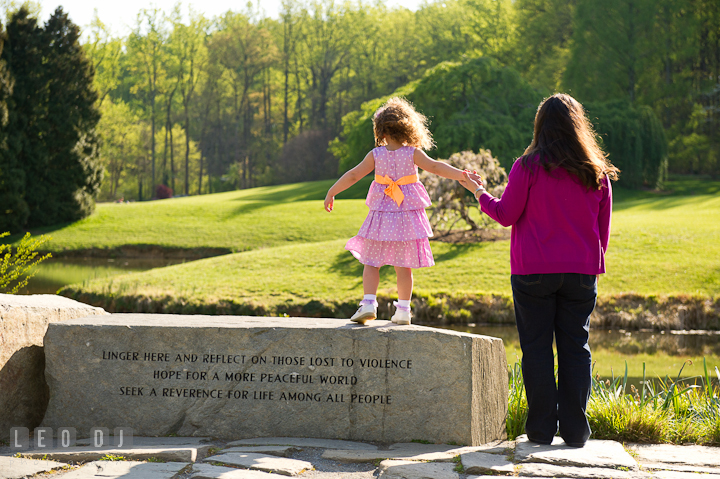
{"x": 23, "y": 322}
{"x": 232, "y": 377}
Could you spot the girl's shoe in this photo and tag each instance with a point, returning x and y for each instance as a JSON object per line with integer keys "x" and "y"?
{"x": 366, "y": 312}
{"x": 402, "y": 316}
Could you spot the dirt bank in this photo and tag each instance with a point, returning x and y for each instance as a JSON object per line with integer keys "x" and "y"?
{"x": 142, "y": 251}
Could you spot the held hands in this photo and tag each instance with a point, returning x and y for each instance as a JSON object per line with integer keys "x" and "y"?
{"x": 472, "y": 181}
{"x": 329, "y": 203}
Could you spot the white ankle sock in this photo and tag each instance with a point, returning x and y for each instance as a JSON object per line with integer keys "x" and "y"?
{"x": 403, "y": 302}
{"x": 369, "y": 299}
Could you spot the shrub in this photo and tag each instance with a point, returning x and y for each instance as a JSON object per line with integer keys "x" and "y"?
{"x": 517, "y": 404}
{"x": 451, "y": 201}
{"x": 16, "y": 266}
{"x": 163, "y": 192}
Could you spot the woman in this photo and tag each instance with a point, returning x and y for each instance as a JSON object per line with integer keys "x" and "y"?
{"x": 558, "y": 201}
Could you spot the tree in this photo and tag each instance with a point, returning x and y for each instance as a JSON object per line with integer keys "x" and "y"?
{"x": 22, "y": 55}
{"x": 622, "y": 46}
{"x": 12, "y": 176}
{"x": 121, "y": 133}
{"x": 104, "y": 52}
{"x": 145, "y": 46}
{"x": 635, "y": 141}
{"x": 189, "y": 42}
{"x": 51, "y": 130}
{"x": 543, "y": 40}
{"x": 326, "y": 49}
{"x": 244, "y": 50}
{"x": 289, "y": 20}
{"x": 72, "y": 176}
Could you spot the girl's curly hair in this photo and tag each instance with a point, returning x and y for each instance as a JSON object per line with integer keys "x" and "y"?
{"x": 398, "y": 120}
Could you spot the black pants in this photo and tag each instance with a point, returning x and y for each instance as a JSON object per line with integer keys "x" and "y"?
{"x": 558, "y": 305}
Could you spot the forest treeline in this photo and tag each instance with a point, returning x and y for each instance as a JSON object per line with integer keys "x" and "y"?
{"x": 202, "y": 105}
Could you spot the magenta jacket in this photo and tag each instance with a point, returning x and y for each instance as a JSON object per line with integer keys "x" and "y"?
{"x": 558, "y": 226}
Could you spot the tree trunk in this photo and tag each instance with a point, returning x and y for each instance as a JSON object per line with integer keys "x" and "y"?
{"x": 187, "y": 144}
{"x": 152, "y": 139}
{"x": 172, "y": 159}
{"x": 286, "y": 120}
{"x": 164, "y": 163}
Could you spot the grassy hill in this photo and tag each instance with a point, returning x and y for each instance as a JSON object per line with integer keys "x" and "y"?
{"x": 292, "y": 258}
{"x": 233, "y": 221}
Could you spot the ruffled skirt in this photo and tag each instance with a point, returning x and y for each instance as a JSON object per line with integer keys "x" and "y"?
{"x": 406, "y": 254}
{"x": 393, "y": 238}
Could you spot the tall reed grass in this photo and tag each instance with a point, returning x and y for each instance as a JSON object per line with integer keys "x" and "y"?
{"x": 666, "y": 410}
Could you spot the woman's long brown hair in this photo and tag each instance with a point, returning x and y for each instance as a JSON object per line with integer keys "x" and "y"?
{"x": 564, "y": 138}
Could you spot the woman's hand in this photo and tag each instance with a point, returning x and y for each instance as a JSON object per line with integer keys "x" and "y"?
{"x": 329, "y": 203}
{"x": 475, "y": 177}
{"x": 470, "y": 182}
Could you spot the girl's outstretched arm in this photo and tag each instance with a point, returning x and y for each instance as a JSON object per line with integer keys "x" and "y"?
{"x": 437, "y": 167}
{"x": 366, "y": 166}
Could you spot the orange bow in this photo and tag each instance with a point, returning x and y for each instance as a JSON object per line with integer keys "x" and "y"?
{"x": 393, "y": 190}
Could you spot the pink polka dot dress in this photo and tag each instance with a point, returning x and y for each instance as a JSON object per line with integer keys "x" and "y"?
{"x": 395, "y": 234}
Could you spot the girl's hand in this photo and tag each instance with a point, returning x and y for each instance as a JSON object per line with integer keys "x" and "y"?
{"x": 329, "y": 203}
{"x": 469, "y": 182}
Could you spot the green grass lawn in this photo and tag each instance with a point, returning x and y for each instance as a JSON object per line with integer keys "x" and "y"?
{"x": 661, "y": 244}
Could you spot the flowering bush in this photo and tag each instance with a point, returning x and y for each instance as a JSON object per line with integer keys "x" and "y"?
{"x": 451, "y": 201}
{"x": 163, "y": 192}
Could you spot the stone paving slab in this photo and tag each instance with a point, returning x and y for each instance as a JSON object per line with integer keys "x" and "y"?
{"x": 550, "y": 470}
{"x": 17, "y": 467}
{"x": 304, "y": 442}
{"x": 126, "y": 470}
{"x": 416, "y": 449}
{"x": 208, "y": 471}
{"x": 482, "y": 462}
{"x": 596, "y": 453}
{"x": 281, "y": 451}
{"x": 702, "y": 456}
{"x": 176, "y": 453}
{"x": 417, "y": 470}
{"x": 262, "y": 462}
{"x": 414, "y": 452}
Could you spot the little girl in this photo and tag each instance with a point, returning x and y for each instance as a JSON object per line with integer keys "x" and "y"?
{"x": 397, "y": 229}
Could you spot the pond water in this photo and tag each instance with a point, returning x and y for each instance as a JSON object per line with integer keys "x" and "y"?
{"x": 55, "y": 273}
{"x": 663, "y": 353}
